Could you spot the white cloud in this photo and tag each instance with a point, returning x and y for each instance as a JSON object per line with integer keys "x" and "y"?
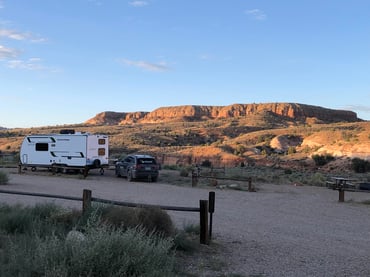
{"x": 158, "y": 67}
{"x": 205, "y": 57}
{"x": 138, "y": 3}
{"x": 12, "y": 34}
{"x": 95, "y": 2}
{"x": 256, "y": 14}
{"x": 30, "y": 64}
{"x": 360, "y": 108}
{"x": 7, "y": 53}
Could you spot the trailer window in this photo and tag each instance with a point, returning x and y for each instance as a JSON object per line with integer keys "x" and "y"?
{"x": 101, "y": 141}
{"x": 42, "y": 147}
{"x": 101, "y": 151}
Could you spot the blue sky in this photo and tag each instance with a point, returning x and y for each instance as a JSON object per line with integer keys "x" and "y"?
{"x": 63, "y": 61}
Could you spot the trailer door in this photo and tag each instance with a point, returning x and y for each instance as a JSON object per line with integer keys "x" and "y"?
{"x": 97, "y": 150}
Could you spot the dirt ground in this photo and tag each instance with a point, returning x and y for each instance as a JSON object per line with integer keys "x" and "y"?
{"x": 280, "y": 230}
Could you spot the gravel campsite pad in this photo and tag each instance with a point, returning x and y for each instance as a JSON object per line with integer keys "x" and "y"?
{"x": 280, "y": 230}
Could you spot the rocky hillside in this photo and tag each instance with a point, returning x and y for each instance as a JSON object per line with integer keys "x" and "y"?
{"x": 115, "y": 118}
{"x": 286, "y": 111}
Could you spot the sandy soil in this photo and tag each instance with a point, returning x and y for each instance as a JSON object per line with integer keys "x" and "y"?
{"x": 280, "y": 230}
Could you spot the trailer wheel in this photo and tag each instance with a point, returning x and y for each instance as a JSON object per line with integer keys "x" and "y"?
{"x": 96, "y": 163}
{"x": 53, "y": 169}
{"x": 33, "y": 168}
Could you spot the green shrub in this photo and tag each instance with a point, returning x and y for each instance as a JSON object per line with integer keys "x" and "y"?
{"x": 317, "y": 179}
{"x": 360, "y": 165}
{"x": 154, "y": 220}
{"x": 104, "y": 251}
{"x": 321, "y": 160}
{"x": 206, "y": 163}
{"x": 170, "y": 167}
{"x": 291, "y": 150}
{"x": 4, "y": 178}
{"x": 288, "y": 171}
{"x": 192, "y": 229}
{"x": 187, "y": 240}
{"x": 28, "y": 220}
{"x": 184, "y": 172}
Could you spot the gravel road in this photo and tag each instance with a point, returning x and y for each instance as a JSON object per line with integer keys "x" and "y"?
{"x": 280, "y": 230}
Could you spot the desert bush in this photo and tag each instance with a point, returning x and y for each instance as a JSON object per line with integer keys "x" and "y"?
{"x": 288, "y": 171}
{"x": 4, "y": 178}
{"x": 206, "y": 163}
{"x": 103, "y": 252}
{"x": 192, "y": 229}
{"x": 360, "y": 165}
{"x": 156, "y": 220}
{"x": 316, "y": 179}
{"x": 239, "y": 149}
{"x": 120, "y": 217}
{"x": 153, "y": 219}
{"x": 265, "y": 138}
{"x": 170, "y": 167}
{"x": 28, "y": 220}
{"x": 321, "y": 160}
{"x": 184, "y": 172}
{"x": 187, "y": 240}
{"x": 291, "y": 150}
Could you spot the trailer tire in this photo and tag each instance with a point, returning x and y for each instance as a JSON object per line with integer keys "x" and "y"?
{"x": 96, "y": 163}
{"x": 33, "y": 168}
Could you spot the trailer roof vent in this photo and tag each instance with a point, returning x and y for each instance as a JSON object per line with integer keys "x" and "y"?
{"x": 67, "y": 131}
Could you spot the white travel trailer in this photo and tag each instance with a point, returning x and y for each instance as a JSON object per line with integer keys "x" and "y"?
{"x": 68, "y": 150}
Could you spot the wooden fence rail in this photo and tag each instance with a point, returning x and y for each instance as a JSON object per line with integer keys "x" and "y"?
{"x": 205, "y": 207}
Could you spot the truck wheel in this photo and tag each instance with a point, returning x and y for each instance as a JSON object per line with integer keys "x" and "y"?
{"x": 33, "y": 168}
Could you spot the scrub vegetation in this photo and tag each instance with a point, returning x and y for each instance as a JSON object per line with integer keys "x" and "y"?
{"x": 46, "y": 240}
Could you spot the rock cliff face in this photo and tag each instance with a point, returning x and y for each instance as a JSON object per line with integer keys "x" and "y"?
{"x": 115, "y": 118}
{"x": 293, "y": 111}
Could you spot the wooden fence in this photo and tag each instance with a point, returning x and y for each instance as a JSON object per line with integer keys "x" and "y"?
{"x": 205, "y": 207}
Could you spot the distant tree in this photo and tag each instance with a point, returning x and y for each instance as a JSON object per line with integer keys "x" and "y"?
{"x": 206, "y": 163}
{"x": 360, "y": 165}
{"x": 321, "y": 160}
{"x": 291, "y": 150}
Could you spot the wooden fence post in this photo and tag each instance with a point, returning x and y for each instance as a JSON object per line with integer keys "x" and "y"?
{"x": 86, "y": 200}
{"x": 211, "y": 210}
{"x": 194, "y": 178}
{"x": 204, "y": 238}
{"x": 341, "y": 194}
{"x": 250, "y": 187}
